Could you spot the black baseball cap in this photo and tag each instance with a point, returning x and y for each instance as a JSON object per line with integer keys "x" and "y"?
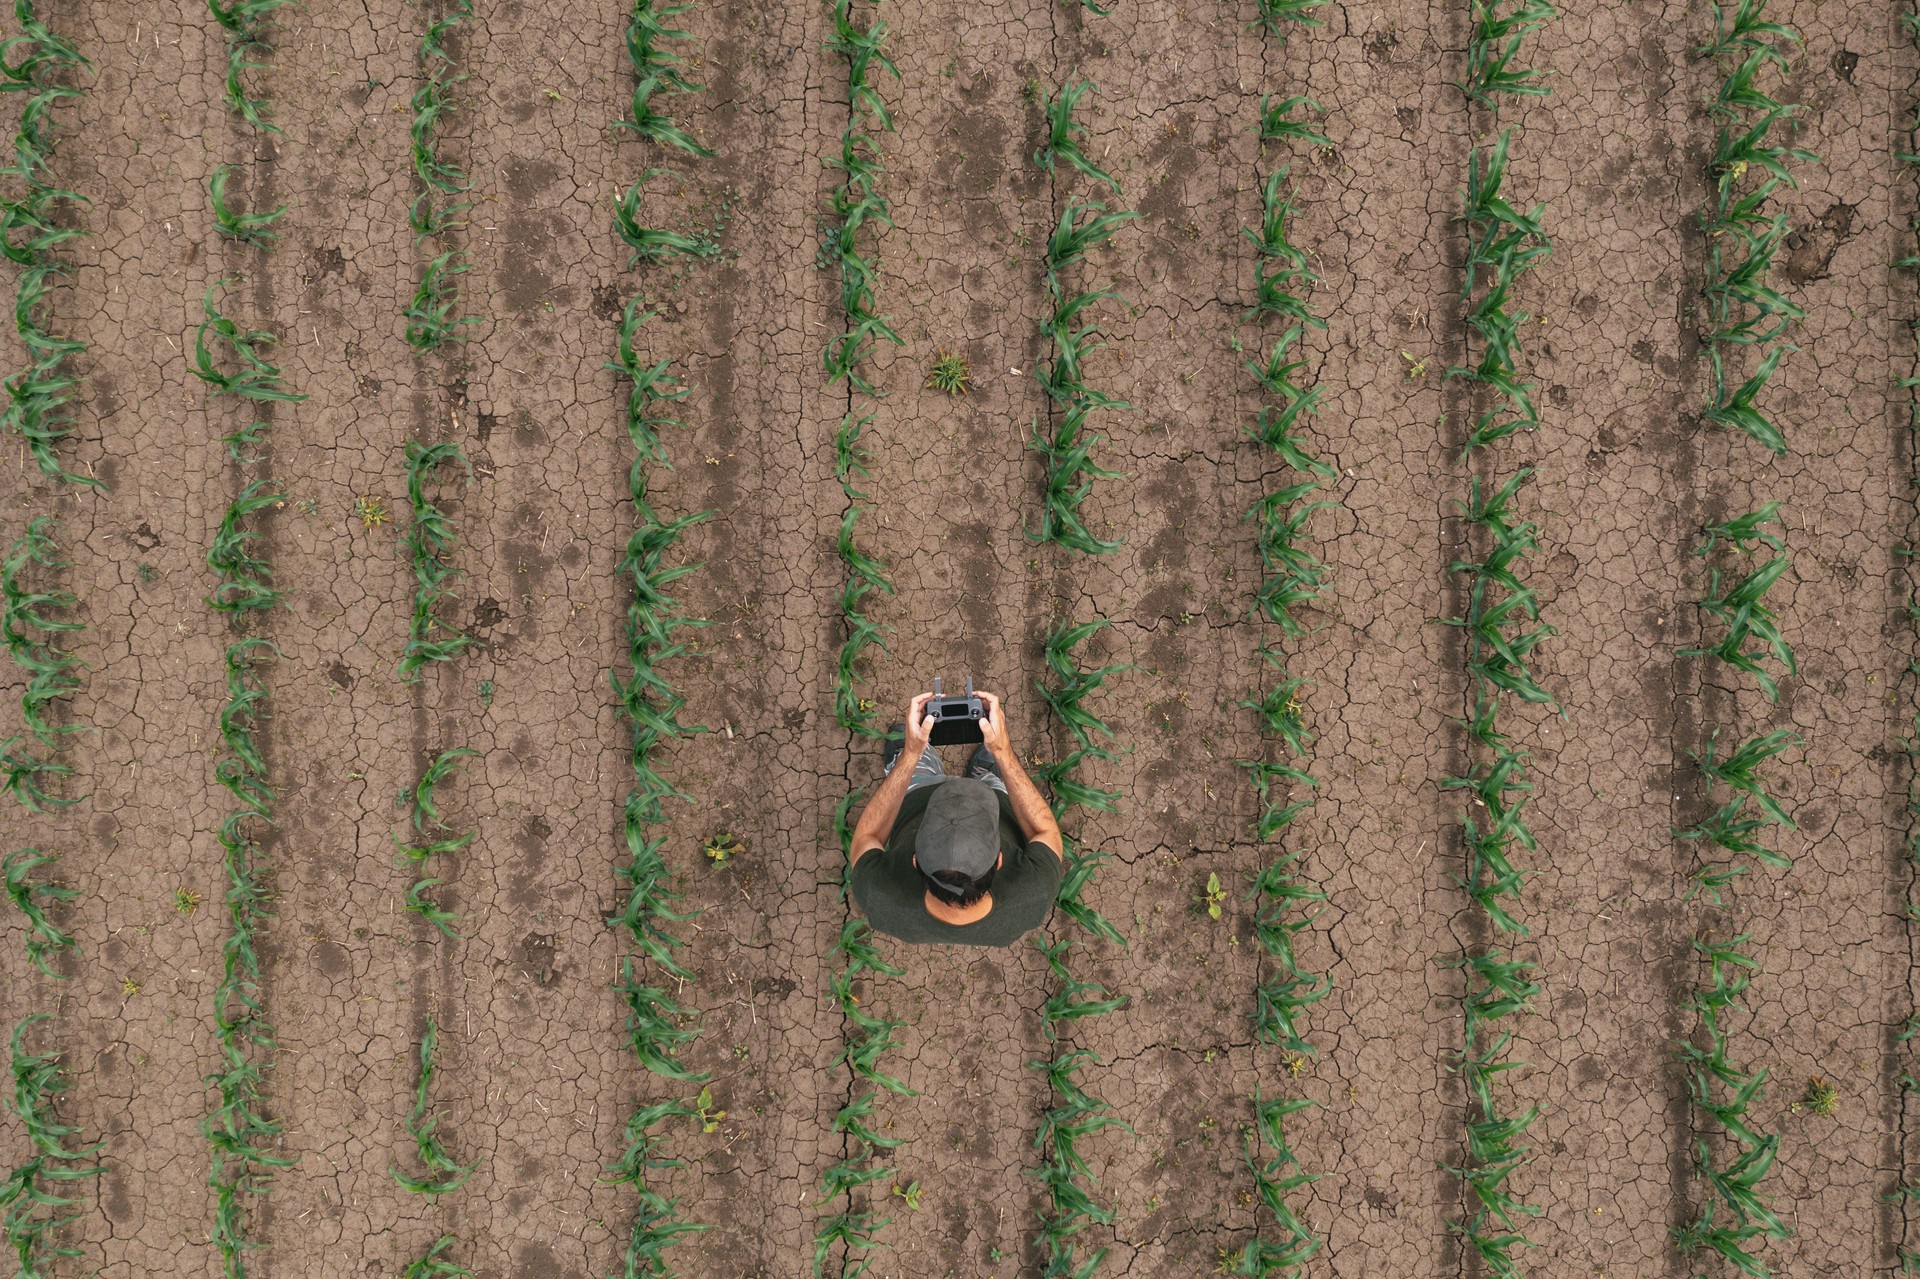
{"x": 960, "y": 829}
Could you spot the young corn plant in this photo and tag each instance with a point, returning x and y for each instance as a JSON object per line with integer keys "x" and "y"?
{"x": 1498, "y": 32}
{"x": 1276, "y": 15}
{"x": 1277, "y": 120}
{"x": 39, "y": 63}
{"x": 1743, "y": 610}
{"x": 1064, "y": 133}
{"x": 423, "y": 841}
{"x": 443, "y": 1172}
{"x": 1063, "y": 1170}
{"x": 32, "y": 1193}
{"x": 431, "y": 1265}
{"x": 245, "y": 579}
{"x": 241, "y": 1136}
{"x": 44, "y": 937}
{"x": 248, "y": 26}
{"x": 429, "y": 540}
{"x": 232, "y": 360}
{"x": 652, "y": 244}
{"x": 1743, "y": 532}
{"x": 244, "y": 228}
{"x": 431, "y": 322}
{"x": 856, "y": 204}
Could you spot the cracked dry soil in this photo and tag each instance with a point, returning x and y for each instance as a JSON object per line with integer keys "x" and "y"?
{"x": 535, "y": 1078}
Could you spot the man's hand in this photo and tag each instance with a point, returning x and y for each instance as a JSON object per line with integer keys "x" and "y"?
{"x": 919, "y": 730}
{"x": 993, "y": 728}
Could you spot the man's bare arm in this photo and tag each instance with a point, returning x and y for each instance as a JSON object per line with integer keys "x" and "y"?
{"x": 1030, "y": 812}
{"x": 876, "y": 819}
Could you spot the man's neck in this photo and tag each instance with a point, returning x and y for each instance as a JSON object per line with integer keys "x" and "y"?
{"x": 959, "y": 914}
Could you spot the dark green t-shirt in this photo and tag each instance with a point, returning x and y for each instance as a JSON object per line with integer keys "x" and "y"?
{"x": 892, "y": 893}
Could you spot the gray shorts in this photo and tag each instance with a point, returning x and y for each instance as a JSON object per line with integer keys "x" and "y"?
{"x": 927, "y": 771}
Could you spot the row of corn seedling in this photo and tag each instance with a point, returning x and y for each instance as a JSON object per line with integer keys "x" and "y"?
{"x": 36, "y": 1194}
{"x": 31, "y": 897}
{"x": 248, "y": 26}
{"x": 855, "y": 207}
{"x": 1075, "y": 1113}
{"x": 38, "y": 63}
{"x": 1066, "y": 447}
{"x": 34, "y": 620}
{"x": 1293, "y": 577}
{"x": 431, "y": 322}
{"x": 658, "y": 1025}
{"x": 1907, "y": 1194}
{"x": 1068, "y": 443}
{"x": 429, "y": 542}
{"x": 1742, "y": 308}
{"x": 1500, "y": 625}
{"x": 1742, "y": 311}
{"x": 442, "y": 1172}
{"x": 234, "y": 362}
{"x": 428, "y": 836}
{"x": 849, "y": 1228}
{"x": 425, "y": 837}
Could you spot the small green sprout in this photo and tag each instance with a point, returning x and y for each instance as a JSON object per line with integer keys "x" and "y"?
{"x": 710, "y": 1117}
{"x": 371, "y": 511}
{"x": 1821, "y": 1098}
{"x": 722, "y": 848}
{"x": 186, "y": 901}
{"x": 1213, "y": 898}
{"x": 911, "y": 1194}
{"x": 950, "y": 374}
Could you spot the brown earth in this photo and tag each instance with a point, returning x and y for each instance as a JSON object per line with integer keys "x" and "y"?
{"x": 536, "y": 1078}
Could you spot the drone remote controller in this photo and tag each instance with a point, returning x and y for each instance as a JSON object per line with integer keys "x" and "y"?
{"x": 956, "y": 720}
